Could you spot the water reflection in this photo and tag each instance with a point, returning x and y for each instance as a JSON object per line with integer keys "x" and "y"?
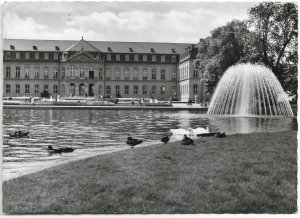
{"x": 98, "y": 131}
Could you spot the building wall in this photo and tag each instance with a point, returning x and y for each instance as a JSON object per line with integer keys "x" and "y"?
{"x": 64, "y": 81}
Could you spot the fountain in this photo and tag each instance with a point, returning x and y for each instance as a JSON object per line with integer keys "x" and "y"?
{"x": 249, "y": 90}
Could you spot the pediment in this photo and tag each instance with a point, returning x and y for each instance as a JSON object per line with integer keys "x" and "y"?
{"x": 83, "y": 57}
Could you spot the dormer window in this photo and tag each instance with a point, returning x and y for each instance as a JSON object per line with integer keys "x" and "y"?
{"x": 130, "y": 50}
{"x": 12, "y": 47}
{"x": 173, "y": 50}
{"x": 152, "y": 50}
{"x": 136, "y": 57}
{"x": 34, "y": 48}
{"x": 153, "y": 57}
{"x": 144, "y": 57}
{"x": 109, "y": 49}
{"x": 36, "y": 55}
{"x": 173, "y": 59}
{"x": 27, "y": 55}
{"x": 46, "y": 55}
{"x": 8, "y": 55}
{"x": 57, "y": 48}
{"x": 18, "y": 55}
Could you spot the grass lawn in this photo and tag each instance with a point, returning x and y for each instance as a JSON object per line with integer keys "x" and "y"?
{"x": 251, "y": 173}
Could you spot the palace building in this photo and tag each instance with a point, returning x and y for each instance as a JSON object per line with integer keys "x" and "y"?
{"x": 100, "y": 69}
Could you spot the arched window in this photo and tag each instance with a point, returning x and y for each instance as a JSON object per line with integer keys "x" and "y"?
{"x": 17, "y": 72}
{"x": 195, "y": 88}
{"x": 153, "y": 73}
{"x": 7, "y": 72}
{"x": 145, "y": 88}
{"x": 153, "y": 90}
{"x": 126, "y": 74}
{"x": 7, "y": 88}
{"x": 63, "y": 72}
{"x": 81, "y": 72}
{"x": 27, "y": 88}
{"x": 135, "y": 90}
{"x": 173, "y": 74}
{"x": 55, "y": 72}
{"x": 107, "y": 73}
{"x": 46, "y": 72}
{"x": 126, "y": 92}
{"x": 63, "y": 89}
{"x": 118, "y": 73}
{"x": 100, "y": 90}
{"x": 100, "y": 73}
{"x": 162, "y": 90}
{"x": 108, "y": 90}
{"x": 17, "y": 88}
{"x": 36, "y": 88}
{"x": 136, "y": 73}
{"x": 162, "y": 74}
{"x": 72, "y": 71}
{"x": 55, "y": 89}
{"x": 145, "y": 73}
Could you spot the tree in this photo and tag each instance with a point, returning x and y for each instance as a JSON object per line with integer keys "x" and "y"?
{"x": 275, "y": 32}
{"x": 227, "y": 46}
{"x": 45, "y": 94}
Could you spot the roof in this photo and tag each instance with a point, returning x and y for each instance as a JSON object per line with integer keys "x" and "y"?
{"x": 82, "y": 45}
{"x": 103, "y": 46}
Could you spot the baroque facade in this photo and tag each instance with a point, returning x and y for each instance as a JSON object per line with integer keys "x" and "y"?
{"x": 100, "y": 69}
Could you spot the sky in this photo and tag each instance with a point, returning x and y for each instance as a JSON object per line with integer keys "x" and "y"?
{"x": 180, "y": 22}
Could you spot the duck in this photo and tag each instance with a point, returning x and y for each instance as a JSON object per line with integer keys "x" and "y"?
{"x": 221, "y": 135}
{"x": 165, "y": 139}
{"x": 133, "y": 142}
{"x": 60, "y": 150}
{"x": 54, "y": 150}
{"x": 68, "y": 149}
{"x": 187, "y": 141}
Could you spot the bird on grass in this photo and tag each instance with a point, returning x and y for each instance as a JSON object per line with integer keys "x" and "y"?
{"x": 133, "y": 142}
{"x": 165, "y": 139}
{"x": 187, "y": 140}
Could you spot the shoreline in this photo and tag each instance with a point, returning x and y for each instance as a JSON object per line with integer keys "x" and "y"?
{"x": 99, "y": 152}
{"x": 214, "y": 176}
{"x": 83, "y": 107}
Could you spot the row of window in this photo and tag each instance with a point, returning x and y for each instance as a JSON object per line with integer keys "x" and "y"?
{"x": 27, "y": 72}
{"x": 109, "y": 57}
{"x": 8, "y": 89}
{"x": 184, "y": 89}
{"x": 144, "y": 90}
{"x": 136, "y": 57}
{"x": 27, "y": 88}
{"x": 30, "y": 55}
{"x": 73, "y": 72}
{"x": 184, "y": 72}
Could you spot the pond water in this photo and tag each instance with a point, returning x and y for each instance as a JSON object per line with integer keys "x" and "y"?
{"x": 94, "y": 132}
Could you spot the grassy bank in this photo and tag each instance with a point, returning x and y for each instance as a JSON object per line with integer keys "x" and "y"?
{"x": 253, "y": 173}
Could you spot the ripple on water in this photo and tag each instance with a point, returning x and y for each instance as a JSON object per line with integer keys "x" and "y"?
{"x": 98, "y": 131}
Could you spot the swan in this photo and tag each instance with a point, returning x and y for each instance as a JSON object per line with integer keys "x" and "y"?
{"x": 199, "y": 130}
{"x": 180, "y": 131}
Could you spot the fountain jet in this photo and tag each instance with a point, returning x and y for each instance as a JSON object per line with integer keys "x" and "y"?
{"x": 250, "y": 90}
